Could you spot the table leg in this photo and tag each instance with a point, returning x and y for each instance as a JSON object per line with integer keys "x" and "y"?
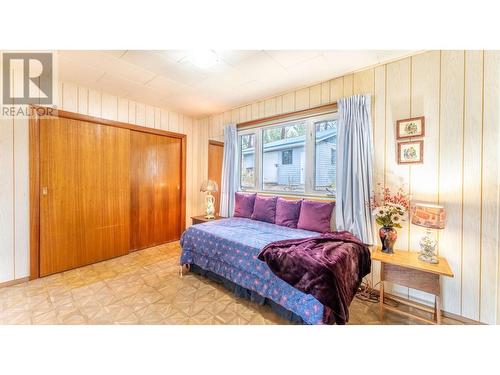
{"x": 381, "y": 300}
{"x": 438, "y": 309}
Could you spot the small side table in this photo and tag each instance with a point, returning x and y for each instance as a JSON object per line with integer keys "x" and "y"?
{"x": 202, "y": 219}
{"x": 404, "y": 268}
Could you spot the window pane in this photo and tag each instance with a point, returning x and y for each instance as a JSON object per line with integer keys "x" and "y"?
{"x": 283, "y": 157}
{"x": 247, "y": 157}
{"x": 286, "y": 157}
{"x": 326, "y": 155}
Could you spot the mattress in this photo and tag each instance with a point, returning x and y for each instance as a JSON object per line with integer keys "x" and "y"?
{"x": 229, "y": 248}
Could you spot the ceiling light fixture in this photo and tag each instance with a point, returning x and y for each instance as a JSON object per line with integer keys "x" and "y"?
{"x": 203, "y": 58}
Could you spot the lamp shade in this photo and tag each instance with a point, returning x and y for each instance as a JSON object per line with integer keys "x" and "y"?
{"x": 209, "y": 185}
{"x": 428, "y": 215}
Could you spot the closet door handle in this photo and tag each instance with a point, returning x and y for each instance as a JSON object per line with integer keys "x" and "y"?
{"x": 45, "y": 190}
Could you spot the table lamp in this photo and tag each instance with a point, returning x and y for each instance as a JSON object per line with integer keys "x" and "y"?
{"x": 429, "y": 216}
{"x": 209, "y": 186}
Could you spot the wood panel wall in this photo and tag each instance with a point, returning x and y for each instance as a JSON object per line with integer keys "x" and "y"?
{"x": 458, "y": 92}
{"x": 14, "y": 168}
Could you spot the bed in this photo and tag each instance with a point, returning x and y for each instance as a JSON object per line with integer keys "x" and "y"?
{"x": 229, "y": 248}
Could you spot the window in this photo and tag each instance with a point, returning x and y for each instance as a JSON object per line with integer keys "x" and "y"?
{"x": 247, "y": 160}
{"x": 294, "y": 156}
{"x": 325, "y": 160}
{"x": 287, "y": 157}
{"x": 282, "y": 157}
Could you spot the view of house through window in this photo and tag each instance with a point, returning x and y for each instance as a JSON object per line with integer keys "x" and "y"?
{"x": 326, "y": 155}
{"x": 297, "y": 156}
{"x": 283, "y": 157}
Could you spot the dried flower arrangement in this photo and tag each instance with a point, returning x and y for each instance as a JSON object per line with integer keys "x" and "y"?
{"x": 390, "y": 209}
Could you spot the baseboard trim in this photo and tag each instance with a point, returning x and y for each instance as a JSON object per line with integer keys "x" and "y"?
{"x": 462, "y": 319}
{"x": 14, "y": 282}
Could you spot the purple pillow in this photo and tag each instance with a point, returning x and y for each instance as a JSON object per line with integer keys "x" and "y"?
{"x": 287, "y": 212}
{"x": 315, "y": 216}
{"x": 264, "y": 209}
{"x": 243, "y": 204}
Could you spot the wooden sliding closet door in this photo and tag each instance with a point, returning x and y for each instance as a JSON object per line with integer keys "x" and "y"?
{"x": 168, "y": 190}
{"x": 143, "y": 155}
{"x": 85, "y": 193}
{"x": 155, "y": 189}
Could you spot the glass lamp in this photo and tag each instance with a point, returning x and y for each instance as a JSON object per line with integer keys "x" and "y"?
{"x": 209, "y": 187}
{"x": 429, "y": 216}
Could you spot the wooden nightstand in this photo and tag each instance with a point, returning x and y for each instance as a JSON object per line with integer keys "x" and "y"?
{"x": 404, "y": 268}
{"x": 202, "y": 219}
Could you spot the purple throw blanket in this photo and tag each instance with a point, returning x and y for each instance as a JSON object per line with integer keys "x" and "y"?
{"x": 330, "y": 267}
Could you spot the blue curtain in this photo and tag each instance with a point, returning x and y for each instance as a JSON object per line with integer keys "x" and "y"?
{"x": 229, "y": 171}
{"x": 354, "y": 167}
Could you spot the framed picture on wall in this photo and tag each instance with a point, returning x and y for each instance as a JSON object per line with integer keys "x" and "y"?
{"x": 411, "y": 127}
{"x": 411, "y": 152}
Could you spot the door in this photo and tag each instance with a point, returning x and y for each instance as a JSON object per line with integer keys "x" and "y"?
{"x": 215, "y": 156}
{"x": 168, "y": 190}
{"x": 85, "y": 193}
{"x": 155, "y": 180}
{"x": 143, "y": 156}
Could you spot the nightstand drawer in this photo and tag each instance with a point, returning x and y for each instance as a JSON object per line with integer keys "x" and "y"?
{"x": 425, "y": 281}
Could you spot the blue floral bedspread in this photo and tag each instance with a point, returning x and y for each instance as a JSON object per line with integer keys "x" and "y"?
{"x": 229, "y": 248}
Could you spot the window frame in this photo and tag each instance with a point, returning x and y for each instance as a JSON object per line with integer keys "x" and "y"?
{"x": 309, "y": 150}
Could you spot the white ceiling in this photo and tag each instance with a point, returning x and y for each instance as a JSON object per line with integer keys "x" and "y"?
{"x": 169, "y": 79}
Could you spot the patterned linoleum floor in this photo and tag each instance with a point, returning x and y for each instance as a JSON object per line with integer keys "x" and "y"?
{"x": 145, "y": 288}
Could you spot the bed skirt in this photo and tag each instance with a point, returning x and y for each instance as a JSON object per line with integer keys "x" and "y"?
{"x": 248, "y": 294}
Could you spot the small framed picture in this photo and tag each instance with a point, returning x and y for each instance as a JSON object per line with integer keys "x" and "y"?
{"x": 411, "y": 152}
{"x": 411, "y": 127}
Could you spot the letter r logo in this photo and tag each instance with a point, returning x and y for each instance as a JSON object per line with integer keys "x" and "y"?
{"x": 27, "y": 78}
